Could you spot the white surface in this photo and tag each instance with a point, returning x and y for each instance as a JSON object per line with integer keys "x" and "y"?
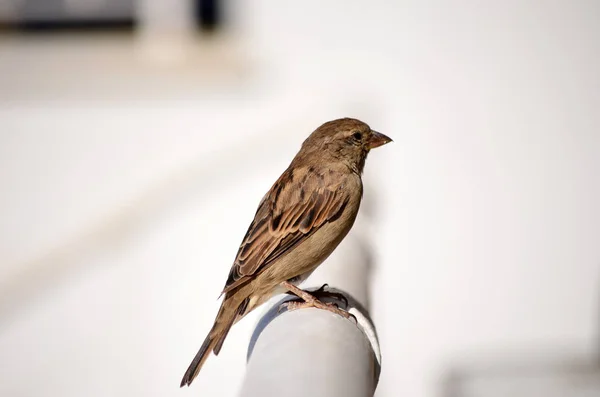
{"x": 310, "y": 353}
{"x": 487, "y": 232}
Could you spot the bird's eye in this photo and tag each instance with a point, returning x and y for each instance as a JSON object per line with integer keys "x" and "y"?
{"x": 357, "y": 136}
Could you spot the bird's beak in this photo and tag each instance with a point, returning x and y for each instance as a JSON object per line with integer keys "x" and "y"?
{"x": 378, "y": 139}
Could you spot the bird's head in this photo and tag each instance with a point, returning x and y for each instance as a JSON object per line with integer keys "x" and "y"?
{"x": 347, "y": 140}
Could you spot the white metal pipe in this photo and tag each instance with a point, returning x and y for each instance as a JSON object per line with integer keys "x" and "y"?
{"x": 312, "y": 352}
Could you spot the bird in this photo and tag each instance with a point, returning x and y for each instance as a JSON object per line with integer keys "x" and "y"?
{"x": 299, "y": 222}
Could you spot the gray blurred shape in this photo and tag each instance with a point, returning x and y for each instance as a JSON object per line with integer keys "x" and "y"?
{"x": 525, "y": 375}
{"x": 54, "y": 10}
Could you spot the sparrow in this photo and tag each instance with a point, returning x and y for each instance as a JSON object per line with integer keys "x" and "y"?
{"x": 299, "y": 222}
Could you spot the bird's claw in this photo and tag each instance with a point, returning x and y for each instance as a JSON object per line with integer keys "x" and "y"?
{"x": 321, "y": 289}
{"x": 330, "y": 307}
{"x": 282, "y": 306}
{"x": 322, "y": 293}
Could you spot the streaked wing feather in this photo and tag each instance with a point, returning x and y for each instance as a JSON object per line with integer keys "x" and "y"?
{"x": 285, "y": 218}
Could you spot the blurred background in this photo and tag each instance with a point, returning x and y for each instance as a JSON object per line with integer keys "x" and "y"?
{"x": 137, "y": 138}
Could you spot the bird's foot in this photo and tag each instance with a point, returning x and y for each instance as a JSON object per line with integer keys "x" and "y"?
{"x": 310, "y": 300}
{"x": 330, "y": 307}
{"x": 322, "y": 293}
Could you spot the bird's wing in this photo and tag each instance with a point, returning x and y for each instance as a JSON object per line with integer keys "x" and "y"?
{"x": 298, "y": 204}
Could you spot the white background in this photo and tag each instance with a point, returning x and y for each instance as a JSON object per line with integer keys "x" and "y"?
{"x": 126, "y": 186}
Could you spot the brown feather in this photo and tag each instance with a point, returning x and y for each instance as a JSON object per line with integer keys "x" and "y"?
{"x": 228, "y": 313}
{"x": 297, "y": 225}
{"x": 289, "y": 220}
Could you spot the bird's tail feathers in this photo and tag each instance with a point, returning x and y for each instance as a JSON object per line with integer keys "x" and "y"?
{"x": 215, "y": 338}
{"x": 198, "y": 360}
